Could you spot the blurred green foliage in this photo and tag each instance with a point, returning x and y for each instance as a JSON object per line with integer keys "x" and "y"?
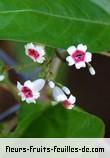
{"x": 57, "y": 24}
{"x": 56, "y": 122}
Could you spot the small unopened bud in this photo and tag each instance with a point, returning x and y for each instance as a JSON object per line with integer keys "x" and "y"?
{"x": 92, "y": 71}
{"x": 51, "y": 84}
{"x": 2, "y": 77}
{"x": 66, "y": 90}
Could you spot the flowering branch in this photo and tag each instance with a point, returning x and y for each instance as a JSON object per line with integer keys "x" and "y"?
{"x": 30, "y": 91}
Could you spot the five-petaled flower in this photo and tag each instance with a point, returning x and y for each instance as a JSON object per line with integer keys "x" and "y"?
{"x": 35, "y": 52}
{"x": 30, "y": 91}
{"x": 78, "y": 56}
{"x": 61, "y": 96}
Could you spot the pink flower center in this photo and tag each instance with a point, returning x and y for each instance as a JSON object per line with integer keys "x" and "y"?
{"x": 33, "y": 53}
{"x": 66, "y": 103}
{"x": 78, "y": 56}
{"x": 27, "y": 92}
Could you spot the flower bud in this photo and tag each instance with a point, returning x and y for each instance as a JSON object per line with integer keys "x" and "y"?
{"x": 92, "y": 71}
{"x": 51, "y": 84}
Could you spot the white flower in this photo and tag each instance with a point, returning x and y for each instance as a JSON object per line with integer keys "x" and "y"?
{"x": 78, "y": 56}
{"x": 2, "y": 77}
{"x": 92, "y": 70}
{"x": 51, "y": 84}
{"x": 60, "y": 96}
{"x": 35, "y": 52}
{"x": 29, "y": 92}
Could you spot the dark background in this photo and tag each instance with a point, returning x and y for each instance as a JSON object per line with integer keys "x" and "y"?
{"x": 93, "y": 92}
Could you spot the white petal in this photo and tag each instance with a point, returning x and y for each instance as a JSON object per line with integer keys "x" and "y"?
{"x": 2, "y": 77}
{"x": 66, "y": 90}
{"x": 42, "y": 52}
{"x": 51, "y": 84}
{"x": 36, "y": 95}
{"x": 82, "y": 47}
{"x": 60, "y": 98}
{"x": 92, "y": 71}
{"x": 88, "y": 57}
{"x": 72, "y": 99}
{"x": 28, "y": 84}
{"x": 19, "y": 86}
{"x": 29, "y": 46}
{"x": 80, "y": 64}
{"x": 40, "y": 60}
{"x": 58, "y": 94}
{"x": 71, "y": 49}
{"x": 40, "y": 49}
{"x": 70, "y": 60}
{"x": 38, "y": 84}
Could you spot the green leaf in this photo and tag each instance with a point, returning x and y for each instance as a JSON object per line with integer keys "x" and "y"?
{"x": 58, "y": 122}
{"x": 57, "y": 24}
{"x": 27, "y": 114}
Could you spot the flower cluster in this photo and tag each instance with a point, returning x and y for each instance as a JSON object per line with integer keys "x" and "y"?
{"x": 78, "y": 56}
{"x": 30, "y": 91}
